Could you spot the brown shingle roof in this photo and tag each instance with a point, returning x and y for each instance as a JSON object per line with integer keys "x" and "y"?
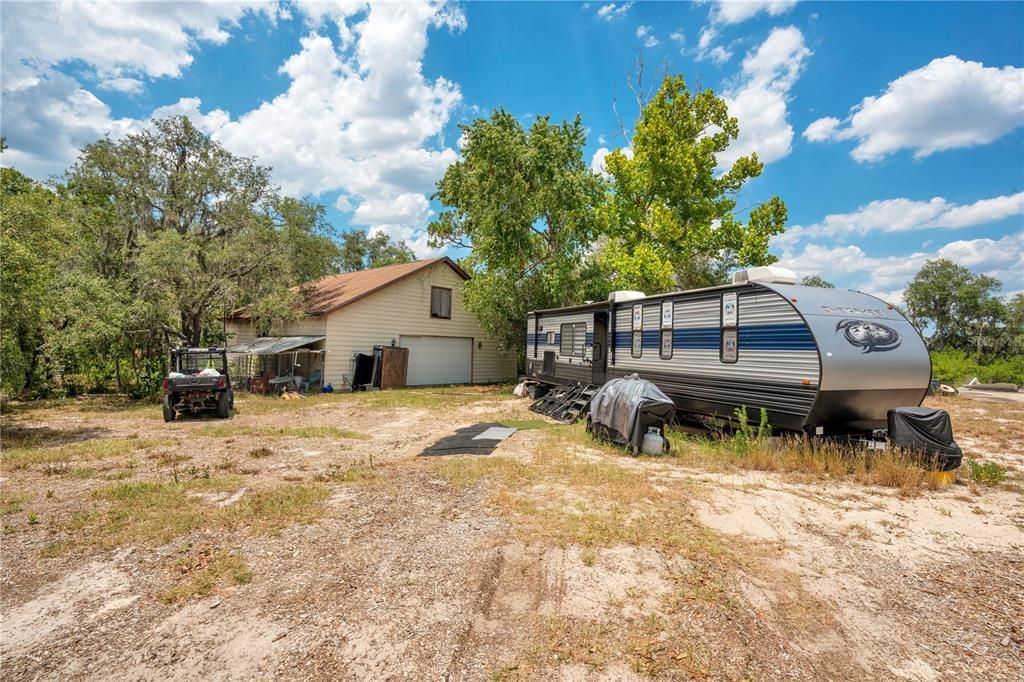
{"x": 327, "y": 294}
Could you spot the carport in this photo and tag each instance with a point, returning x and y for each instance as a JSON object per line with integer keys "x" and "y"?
{"x": 269, "y": 364}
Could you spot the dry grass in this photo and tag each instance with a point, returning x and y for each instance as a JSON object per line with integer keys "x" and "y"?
{"x": 345, "y": 474}
{"x": 234, "y": 431}
{"x": 153, "y": 513}
{"x": 199, "y": 573}
{"x": 21, "y": 458}
{"x": 251, "y": 404}
{"x": 802, "y": 457}
{"x": 562, "y": 498}
{"x": 433, "y": 398}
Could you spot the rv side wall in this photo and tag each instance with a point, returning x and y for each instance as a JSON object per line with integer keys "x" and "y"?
{"x": 775, "y": 364}
{"x": 574, "y": 364}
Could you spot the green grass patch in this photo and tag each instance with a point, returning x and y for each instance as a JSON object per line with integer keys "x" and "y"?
{"x": 200, "y": 573}
{"x": 12, "y": 501}
{"x": 233, "y": 431}
{"x": 21, "y": 458}
{"x": 986, "y": 473}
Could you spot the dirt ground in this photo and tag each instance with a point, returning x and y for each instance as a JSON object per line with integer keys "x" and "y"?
{"x": 307, "y": 540}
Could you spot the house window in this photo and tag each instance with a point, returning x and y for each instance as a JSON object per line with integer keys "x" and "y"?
{"x": 441, "y": 303}
{"x": 574, "y": 338}
{"x": 730, "y": 345}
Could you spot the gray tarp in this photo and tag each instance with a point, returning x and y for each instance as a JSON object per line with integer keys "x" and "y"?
{"x": 623, "y": 409}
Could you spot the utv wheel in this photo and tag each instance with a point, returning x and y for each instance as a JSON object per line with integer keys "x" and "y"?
{"x": 169, "y": 413}
{"x": 224, "y": 405}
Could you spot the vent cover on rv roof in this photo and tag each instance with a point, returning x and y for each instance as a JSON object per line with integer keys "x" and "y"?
{"x": 620, "y": 296}
{"x": 771, "y": 274}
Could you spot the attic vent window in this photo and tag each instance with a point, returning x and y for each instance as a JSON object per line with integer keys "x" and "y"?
{"x": 441, "y": 303}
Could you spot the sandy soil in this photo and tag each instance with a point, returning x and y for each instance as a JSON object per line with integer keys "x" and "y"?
{"x": 411, "y": 576}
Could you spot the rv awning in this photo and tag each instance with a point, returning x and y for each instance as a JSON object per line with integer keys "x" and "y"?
{"x": 269, "y": 345}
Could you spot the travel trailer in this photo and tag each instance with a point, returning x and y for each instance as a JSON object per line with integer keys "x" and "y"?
{"x": 822, "y": 361}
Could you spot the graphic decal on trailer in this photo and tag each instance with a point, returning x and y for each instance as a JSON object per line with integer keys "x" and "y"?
{"x": 869, "y": 336}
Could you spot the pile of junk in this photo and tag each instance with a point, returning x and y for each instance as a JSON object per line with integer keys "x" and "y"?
{"x": 634, "y": 413}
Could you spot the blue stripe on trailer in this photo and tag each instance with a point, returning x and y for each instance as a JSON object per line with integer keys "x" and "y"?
{"x": 755, "y": 337}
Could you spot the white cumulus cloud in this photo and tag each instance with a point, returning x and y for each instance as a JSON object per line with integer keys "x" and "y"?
{"x": 612, "y": 12}
{"x": 759, "y": 99}
{"x": 736, "y": 11}
{"x": 48, "y": 116}
{"x": 888, "y": 276}
{"x": 707, "y": 50}
{"x": 903, "y": 215}
{"x": 644, "y": 33}
{"x": 947, "y": 104}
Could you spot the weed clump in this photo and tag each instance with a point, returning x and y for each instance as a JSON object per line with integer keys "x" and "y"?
{"x": 201, "y": 572}
{"x": 986, "y": 473}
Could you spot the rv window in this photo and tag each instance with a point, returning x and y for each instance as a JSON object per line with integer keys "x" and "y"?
{"x": 730, "y": 345}
{"x": 551, "y": 338}
{"x": 574, "y": 338}
{"x": 441, "y": 303}
{"x": 666, "y": 344}
{"x": 638, "y": 343}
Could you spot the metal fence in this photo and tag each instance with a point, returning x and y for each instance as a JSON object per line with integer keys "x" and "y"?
{"x": 294, "y": 370}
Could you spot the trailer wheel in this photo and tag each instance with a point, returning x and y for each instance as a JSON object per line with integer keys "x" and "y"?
{"x": 169, "y": 413}
{"x": 224, "y": 405}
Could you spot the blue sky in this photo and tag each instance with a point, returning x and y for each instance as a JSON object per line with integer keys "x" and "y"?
{"x": 893, "y": 131}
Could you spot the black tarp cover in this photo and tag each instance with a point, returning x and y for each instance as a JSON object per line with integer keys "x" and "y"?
{"x": 622, "y": 410}
{"x": 927, "y": 432}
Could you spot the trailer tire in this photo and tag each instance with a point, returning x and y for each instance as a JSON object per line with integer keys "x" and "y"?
{"x": 224, "y": 405}
{"x": 169, "y": 413}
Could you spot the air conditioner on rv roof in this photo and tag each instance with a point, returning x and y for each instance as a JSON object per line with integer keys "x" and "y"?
{"x": 620, "y": 296}
{"x": 771, "y": 274}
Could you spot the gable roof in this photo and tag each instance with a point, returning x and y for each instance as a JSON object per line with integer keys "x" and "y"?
{"x": 327, "y": 294}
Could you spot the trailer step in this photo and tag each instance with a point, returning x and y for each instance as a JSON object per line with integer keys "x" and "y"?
{"x": 567, "y": 403}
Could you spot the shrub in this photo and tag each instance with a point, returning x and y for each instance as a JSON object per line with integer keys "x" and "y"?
{"x": 956, "y": 367}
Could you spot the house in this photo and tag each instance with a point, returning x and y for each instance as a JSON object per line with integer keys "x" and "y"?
{"x": 415, "y": 305}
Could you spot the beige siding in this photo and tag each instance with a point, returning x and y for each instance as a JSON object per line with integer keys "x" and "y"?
{"x": 241, "y": 331}
{"x": 404, "y": 308}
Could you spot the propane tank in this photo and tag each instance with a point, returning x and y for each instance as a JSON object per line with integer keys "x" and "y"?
{"x": 653, "y": 443}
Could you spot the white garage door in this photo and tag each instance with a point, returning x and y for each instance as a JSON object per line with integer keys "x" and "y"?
{"x": 438, "y": 359}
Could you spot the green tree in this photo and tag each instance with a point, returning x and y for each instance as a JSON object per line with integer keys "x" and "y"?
{"x": 194, "y": 230}
{"x": 361, "y": 252}
{"x": 31, "y": 241}
{"x": 958, "y": 308}
{"x": 1014, "y": 331}
{"x": 669, "y": 205}
{"x": 524, "y": 202}
{"x": 816, "y": 281}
